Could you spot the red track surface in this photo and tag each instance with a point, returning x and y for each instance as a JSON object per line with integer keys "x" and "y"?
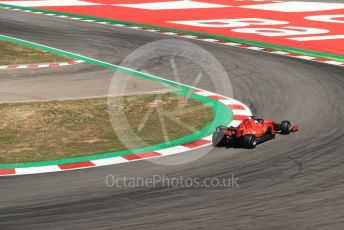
{"x": 231, "y": 9}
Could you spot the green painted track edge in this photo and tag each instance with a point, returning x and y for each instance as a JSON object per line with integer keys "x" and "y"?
{"x": 319, "y": 54}
{"x": 223, "y": 114}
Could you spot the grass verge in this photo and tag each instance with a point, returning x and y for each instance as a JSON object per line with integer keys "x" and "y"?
{"x": 13, "y": 54}
{"x": 53, "y": 130}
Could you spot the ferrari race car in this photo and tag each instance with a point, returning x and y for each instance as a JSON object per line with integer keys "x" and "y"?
{"x": 250, "y": 132}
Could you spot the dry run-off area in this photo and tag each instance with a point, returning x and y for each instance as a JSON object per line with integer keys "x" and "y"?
{"x": 50, "y": 130}
{"x": 13, "y": 53}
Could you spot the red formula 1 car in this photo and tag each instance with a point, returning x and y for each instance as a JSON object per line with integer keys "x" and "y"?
{"x": 251, "y": 132}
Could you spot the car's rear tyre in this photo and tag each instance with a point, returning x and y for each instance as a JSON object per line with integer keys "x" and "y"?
{"x": 218, "y": 138}
{"x": 249, "y": 141}
{"x": 285, "y": 127}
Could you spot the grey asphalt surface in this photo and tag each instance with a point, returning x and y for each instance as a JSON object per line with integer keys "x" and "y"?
{"x": 292, "y": 182}
{"x": 64, "y": 83}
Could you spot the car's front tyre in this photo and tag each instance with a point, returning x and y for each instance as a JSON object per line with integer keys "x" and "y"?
{"x": 285, "y": 127}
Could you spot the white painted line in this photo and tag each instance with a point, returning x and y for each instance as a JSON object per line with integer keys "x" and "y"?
{"x": 75, "y": 18}
{"x": 209, "y": 40}
{"x": 169, "y": 33}
{"x": 134, "y": 27}
{"x": 89, "y": 20}
{"x": 255, "y": 48}
{"x": 45, "y": 65}
{"x": 120, "y": 25}
{"x": 172, "y": 5}
{"x": 231, "y": 44}
{"x": 21, "y": 67}
{"x": 242, "y": 112}
{"x": 36, "y": 170}
{"x": 296, "y": 6}
{"x": 189, "y": 36}
{"x": 316, "y": 38}
{"x": 334, "y": 63}
{"x": 152, "y": 30}
{"x": 306, "y": 57}
{"x": 109, "y": 161}
{"x": 62, "y": 16}
{"x": 227, "y": 101}
{"x": 64, "y": 64}
{"x": 173, "y": 150}
{"x": 279, "y": 52}
{"x": 205, "y": 93}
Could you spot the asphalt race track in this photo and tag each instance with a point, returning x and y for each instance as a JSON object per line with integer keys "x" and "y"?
{"x": 292, "y": 182}
{"x": 64, "y": 83}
